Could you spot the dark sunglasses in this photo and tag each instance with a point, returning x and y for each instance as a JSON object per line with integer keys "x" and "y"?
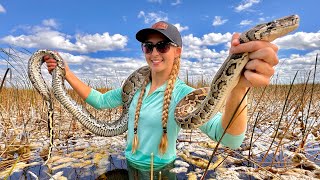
{"x": 162, "y": 46}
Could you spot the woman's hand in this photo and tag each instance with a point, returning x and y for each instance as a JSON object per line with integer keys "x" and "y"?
{"x": 257, "y": 72}
{"x": 262, "y": 59}
{"x": 52, "y": 63}
{"x": 81, "y": 88}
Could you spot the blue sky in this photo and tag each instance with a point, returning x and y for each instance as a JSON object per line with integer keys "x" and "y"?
{"x": 97, "y": 38}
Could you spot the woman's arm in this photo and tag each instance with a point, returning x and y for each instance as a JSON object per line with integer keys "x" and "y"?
{"x": 96, "y": 99}
{"x": 81, "y": 88}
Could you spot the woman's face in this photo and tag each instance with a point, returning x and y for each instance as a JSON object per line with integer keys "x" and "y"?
{"x": 161, "y": 62}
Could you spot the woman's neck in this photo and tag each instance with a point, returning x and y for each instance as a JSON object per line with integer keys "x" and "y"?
{"x": 158, "y": 79}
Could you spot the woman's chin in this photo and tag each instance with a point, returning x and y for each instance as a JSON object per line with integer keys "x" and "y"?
{"x": 157, "y": 67}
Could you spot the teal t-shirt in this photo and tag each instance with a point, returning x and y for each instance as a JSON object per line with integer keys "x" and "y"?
{"x": 150, "y": 123}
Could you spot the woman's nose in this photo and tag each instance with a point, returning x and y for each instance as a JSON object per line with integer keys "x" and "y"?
{"x": 154, "y": 51}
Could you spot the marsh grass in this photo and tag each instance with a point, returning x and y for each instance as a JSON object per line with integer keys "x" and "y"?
{"x": 282, "y": 118}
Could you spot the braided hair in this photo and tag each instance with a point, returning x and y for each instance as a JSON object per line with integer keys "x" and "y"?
{"x": 165, "y": 110}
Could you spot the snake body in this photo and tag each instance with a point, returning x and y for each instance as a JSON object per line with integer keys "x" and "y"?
{"x": 200, "y": 105}
{"x": 191, "y": 112}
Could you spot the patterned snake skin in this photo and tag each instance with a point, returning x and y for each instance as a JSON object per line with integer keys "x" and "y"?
{"x": 200, "y": 105}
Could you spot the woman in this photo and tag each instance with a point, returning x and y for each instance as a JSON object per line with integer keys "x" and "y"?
{"x": 151, "y": 112}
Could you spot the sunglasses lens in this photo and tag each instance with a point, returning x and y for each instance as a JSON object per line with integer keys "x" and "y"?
{"x": 163, "y": 47}
{"x": 147, "y": 48}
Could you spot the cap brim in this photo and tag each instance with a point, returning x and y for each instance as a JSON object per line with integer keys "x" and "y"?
{"x": 143, "y": 34}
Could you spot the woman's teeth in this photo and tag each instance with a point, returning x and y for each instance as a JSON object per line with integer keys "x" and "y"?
{"x": 156, "y": 61}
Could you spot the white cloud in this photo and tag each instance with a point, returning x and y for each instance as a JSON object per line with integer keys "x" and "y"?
{"x": 245, "y": 22}
{"x": 124, "y": 18}
{"x": 155, "y": 1}
{"x": 111, "y": 70}
{"x": 245, "y": 5}
{"x": 72, "y": 59}
{"x": 201, "y": 54}
{"x": 153, "y": 17}
{"x": 181, "y": 28}
{"x": 2, "y": 9}
{"x": 176, "y": 3}
{"x": 218, "y": 21}
{"x": 45, "y": 38}
{"x": 50, "y": 23}
{"x": 198, "y": 48}
{"x": 299, "y": 40}
{"x": 92, "y": 43}
{"x": 262, "y": 19}
{"x": 191, "y": 41}
{"x": 210, "y": 39}
{"x": 216, "y": 38}
{"x": 288, "y": 66}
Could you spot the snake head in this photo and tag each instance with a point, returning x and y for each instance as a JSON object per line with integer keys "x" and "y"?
{"x": 280, "y": 27}
{"x": 271, "y": 30}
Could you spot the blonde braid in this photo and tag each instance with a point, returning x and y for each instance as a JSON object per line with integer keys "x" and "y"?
{"x": 135, "y": 141}
{"x": 167, "y": 99}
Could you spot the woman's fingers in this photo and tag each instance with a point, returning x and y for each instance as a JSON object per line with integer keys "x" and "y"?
{"x": 260, "y": 67}
{"x": 255, "y": 79}
{"x": 235, "y": 39}
{"x": 250, "y": 46}
{"x": 51, "y": 63}
{"x": 267, "y": 54}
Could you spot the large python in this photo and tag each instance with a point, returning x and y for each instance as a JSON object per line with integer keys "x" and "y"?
{"x": 191, "y": 112}
{"x": 196, "y": 109}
